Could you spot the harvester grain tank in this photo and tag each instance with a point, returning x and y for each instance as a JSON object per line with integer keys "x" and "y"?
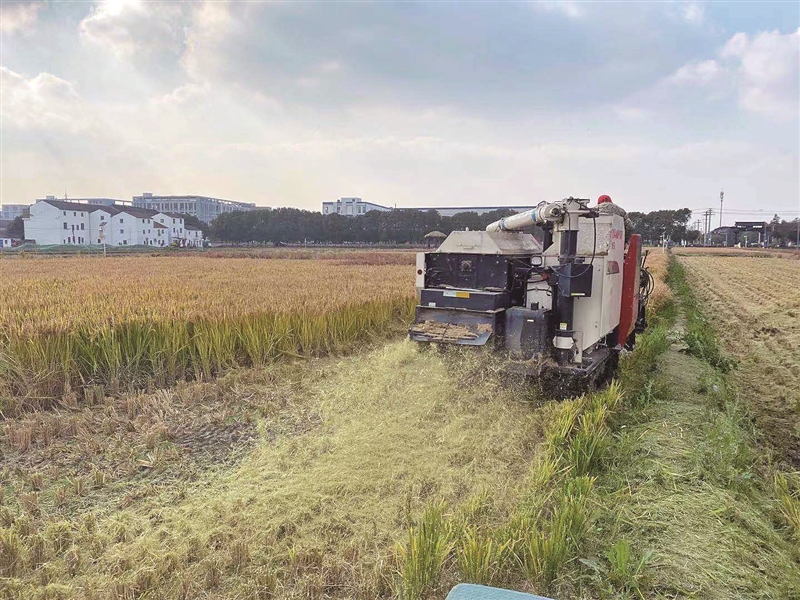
{"x": 561, "y": 307}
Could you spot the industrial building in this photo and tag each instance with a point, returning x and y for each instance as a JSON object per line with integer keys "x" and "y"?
{"x": 351, "y": 207}
{"x": 204, "y": 208}
{"x": 449, "y": 211}
{"x": 9, "y": 212}
{"x": 749, "y": 232}
{"x": 63, "y": 222}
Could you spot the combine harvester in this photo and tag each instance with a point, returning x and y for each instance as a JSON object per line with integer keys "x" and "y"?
{"x": 561, "y": 309}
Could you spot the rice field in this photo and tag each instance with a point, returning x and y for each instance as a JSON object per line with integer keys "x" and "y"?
{"x": 754, "y": 304}
{"x": 71, "y": 324}
{"x": 391, "y": 472}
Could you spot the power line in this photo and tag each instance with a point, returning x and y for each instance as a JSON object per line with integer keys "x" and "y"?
{"x": 779, "y": 211}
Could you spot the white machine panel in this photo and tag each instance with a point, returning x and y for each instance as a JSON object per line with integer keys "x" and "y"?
{"x": 419, "y": 283}
{"x": 598, "y": 315}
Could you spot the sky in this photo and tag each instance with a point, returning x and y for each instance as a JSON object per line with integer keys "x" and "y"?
{"x": 659, "y": 104}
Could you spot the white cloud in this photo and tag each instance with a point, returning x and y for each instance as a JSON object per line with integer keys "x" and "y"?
{"x": 570, "y": 9}
{"x": 763, "y": 69}
{"x": 694, "y": 13}
{"x": 631, "y": 113}
{"x": 211, "y": 22}
{"x": 184, "y": 94}
{"x": 696, "y": 73}
{"x": 41, "y": 102}
{"x": 768, "y": 70}
{"x": 19, "y": 16}
{"x": 127, "y": 28}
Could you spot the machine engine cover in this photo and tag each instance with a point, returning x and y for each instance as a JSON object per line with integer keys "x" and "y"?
{"x": 527, "y": 332}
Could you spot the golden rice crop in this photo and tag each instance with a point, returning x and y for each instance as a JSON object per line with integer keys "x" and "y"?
{"x": 80, "y": 321}
{"x": 658, "y": 264}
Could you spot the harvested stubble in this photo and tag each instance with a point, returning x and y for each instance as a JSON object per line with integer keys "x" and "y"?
{"x": 66, "y": 323}
{"x": 661, "y": 297}
{"x": 753, "y": 304}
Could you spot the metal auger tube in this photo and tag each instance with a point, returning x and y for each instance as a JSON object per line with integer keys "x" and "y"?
{"x": 545, "y": 212}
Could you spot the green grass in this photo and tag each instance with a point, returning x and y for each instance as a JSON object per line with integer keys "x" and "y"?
{"x": 536, "y": 544}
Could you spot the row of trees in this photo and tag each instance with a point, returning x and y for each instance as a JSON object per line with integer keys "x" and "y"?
{"x": 289, "y": 225}
{"x": 784, "y": 231}
{"x": 660, "y": 225}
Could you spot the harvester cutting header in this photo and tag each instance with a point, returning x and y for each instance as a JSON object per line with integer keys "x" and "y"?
{"x": 562, "y": 306}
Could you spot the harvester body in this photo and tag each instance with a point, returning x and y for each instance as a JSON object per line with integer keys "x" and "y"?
{"x": 554, "y": 305}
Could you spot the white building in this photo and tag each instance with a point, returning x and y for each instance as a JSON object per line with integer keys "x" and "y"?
{"x": 60, "y": 222}
{"x": 5, "y": 243}
{"x": 350, "y": 207}
{"x": 204, "y": 208}
{"x": 9, "y": 212}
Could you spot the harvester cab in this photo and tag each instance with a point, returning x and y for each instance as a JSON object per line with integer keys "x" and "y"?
{"x": 562, "y": 307}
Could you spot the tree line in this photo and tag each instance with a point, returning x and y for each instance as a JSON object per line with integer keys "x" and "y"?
{"x": 291, "y": 225}
{"x": 660, "y": 225}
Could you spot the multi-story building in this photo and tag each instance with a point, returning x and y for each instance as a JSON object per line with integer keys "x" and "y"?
{"x": 204, "y": 208}
{"x": 449, "y": 211}
{"x": 350, "y": 207}
{"x": 61, "y": 222}
{"x": 9, "y": 212}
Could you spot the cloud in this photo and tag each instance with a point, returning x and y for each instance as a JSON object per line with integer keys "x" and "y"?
{"x": 184, "y": 94}
{"x": 767, "y": 72}
{"x": 413, "y": 103}
{"x": 696, "y": 73}
{"x": 43, "y": 102}
{"x": 694, "y": 13}
{"x": 573, "y": 10}
{"x": 131, "y": 28}
{"x": 19, "y": 16}
{"x": 211, "y": 23}
{"x": 762, "y": 69}
{"x": 631, "y": 113}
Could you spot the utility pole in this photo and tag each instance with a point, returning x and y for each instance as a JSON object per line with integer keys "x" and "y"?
{"x": 797, "y": 239}
{"x": 707, "y": 226}
{"x": 721, "y": 196}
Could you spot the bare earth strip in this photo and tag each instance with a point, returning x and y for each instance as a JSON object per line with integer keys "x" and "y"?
{"x": 754, "y": 303}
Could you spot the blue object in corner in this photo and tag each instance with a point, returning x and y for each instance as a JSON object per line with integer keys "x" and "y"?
{"x": 469, "y": 591}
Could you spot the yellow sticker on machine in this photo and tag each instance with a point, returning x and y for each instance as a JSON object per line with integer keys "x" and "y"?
{"x": 455, "y": 294}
